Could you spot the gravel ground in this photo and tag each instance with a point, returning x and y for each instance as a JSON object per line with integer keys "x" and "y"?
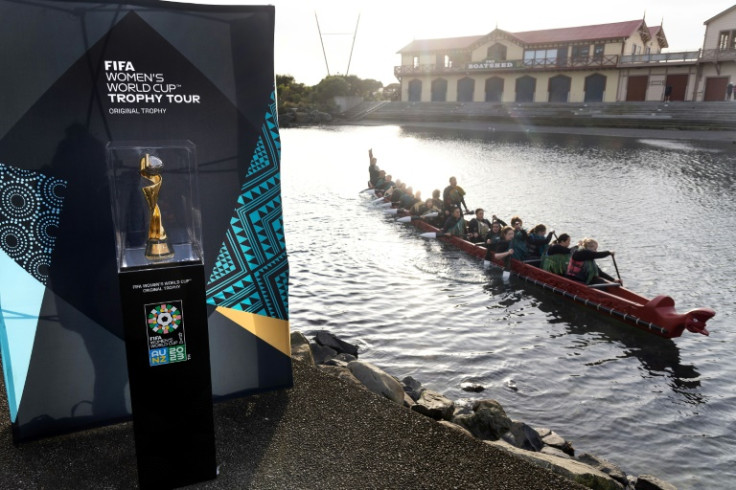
{"x": 324, "y": 433}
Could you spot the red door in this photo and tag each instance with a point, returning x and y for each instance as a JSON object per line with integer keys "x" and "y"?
{"x": 715, "y": 89}
{"x": 636, "y": 88}
{"x": 679, "y": 87}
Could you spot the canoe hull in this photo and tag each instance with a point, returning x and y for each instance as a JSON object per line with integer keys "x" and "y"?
{"x": 657, "y": 315}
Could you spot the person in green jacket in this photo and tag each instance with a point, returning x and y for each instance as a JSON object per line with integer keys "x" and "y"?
{"x": 558, "y": 255}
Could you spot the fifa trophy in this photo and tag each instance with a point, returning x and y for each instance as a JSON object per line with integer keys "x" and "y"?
{"x": 157, "y": 245}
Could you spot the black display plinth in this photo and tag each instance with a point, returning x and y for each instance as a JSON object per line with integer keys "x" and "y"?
{"x": 167, "y": 346}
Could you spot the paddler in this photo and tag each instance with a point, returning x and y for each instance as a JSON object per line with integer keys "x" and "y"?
{"x": 557, "y": 257}
{"x": 478, "y": 227}
{"x": 373, "y": 170}
{"x": 582, "y": 266}
{"x": 454, "y": 196}
{"x": 454, "y": 224}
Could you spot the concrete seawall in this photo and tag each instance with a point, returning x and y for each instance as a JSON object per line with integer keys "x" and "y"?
{"x": 715, "y": 117}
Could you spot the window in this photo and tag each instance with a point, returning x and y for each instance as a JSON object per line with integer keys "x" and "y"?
{"x": 534, "y": 57}
{"x": 727, "y": 40}
{"x": 580, "y": 53}
{"x": 448, "y": 61}
{"x": 598, "y": 51}
{"x": 723, "y": 40}
{"x": 497, "y": 52}
{"x": 415, "y": 62}
{"x": 635, "y": 49}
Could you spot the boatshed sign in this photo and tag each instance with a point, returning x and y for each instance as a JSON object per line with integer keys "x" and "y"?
{"x": 490, "y": 65}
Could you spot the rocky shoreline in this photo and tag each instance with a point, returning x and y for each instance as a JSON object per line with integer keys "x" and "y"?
{"x": 483, "y": 419}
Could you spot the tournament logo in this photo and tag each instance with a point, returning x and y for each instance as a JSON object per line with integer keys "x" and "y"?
{"x": 164, "y": 318}
{"x": 165, "y": 331}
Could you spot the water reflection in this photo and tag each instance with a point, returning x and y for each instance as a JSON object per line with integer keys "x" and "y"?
{"x": 658, "y": 357}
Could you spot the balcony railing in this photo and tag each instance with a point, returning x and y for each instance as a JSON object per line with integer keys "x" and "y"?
{"x": 718, "y": 55}
{"x": 683, "y": 56}
{"x": 554, "y": 63}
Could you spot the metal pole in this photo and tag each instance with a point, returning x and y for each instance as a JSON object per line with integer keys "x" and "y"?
{"x": 322, "y": 42}
{"x": 355, "y": 34}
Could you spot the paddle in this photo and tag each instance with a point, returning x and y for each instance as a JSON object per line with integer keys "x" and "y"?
{"x": 391, "y": 211}
{"x": 616, "y": 267}
{"x": 409, "y": 219}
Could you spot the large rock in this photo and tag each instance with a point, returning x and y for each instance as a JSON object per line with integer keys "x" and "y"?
{"x": 329, "y": 340}
{"x": 457, "y": 428}
{"x": 300, "y": 349}
{"x": 321, "y": 353}
{"x": 377, "y": 381}
{"x": 342, "y": 373}
{"x": 553, "y": 439}
{"x": 485, "y": 420}
{"x": 412, "y": 387}
{"x": 434, "y": 405}
{"x": 649, "y": 482}
{"x": 340, "y": 360}
{"x": 523, "y": 437}
{"x": 606, "y": 467}
{"x": 555, "y": 452}
{"x": 569, "y": 468}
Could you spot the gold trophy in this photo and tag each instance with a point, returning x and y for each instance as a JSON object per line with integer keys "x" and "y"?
{"x": 157, "y": 245}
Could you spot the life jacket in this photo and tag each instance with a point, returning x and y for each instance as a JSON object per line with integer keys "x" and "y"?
{"x": 483, "y": 229}
{"x": 583, "y": 270}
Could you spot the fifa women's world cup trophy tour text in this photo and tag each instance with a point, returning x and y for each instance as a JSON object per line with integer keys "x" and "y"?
{"x": 157, "y": 245}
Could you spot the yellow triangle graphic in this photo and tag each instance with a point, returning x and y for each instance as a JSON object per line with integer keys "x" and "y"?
{"x": 273, "y": 331}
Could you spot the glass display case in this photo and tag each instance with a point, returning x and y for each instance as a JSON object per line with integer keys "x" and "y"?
{"x": 156, "y": 208}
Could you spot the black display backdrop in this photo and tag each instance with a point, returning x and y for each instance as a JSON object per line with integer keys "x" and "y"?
{"x": 77, "y": 76}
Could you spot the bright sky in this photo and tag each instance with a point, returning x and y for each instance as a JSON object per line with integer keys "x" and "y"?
{"x": 386, "y": 26}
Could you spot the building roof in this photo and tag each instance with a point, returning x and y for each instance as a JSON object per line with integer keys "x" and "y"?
{"x": 657, "y": 32}
{"x": 616, "y": 30}
{"x": 448, "y": 43}
{"x": 719, "y": 15}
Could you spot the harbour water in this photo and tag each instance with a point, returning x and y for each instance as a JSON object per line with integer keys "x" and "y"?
{"x": 417, "y": 307}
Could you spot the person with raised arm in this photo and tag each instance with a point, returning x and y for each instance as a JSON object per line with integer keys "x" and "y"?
{"x": 582, "y": 266}
{"x": 536, "y": 241}
{"x": 373, "y": 169}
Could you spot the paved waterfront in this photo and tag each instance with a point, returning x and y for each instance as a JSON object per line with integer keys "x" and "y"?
{"x": 724, "y": 136}
{"x": 322, "y": 434}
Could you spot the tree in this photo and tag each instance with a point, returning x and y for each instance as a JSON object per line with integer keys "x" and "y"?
{"x": 291, "y": 94}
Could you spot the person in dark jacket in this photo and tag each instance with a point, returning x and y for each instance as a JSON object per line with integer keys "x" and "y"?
{"x": 582, "y": 266}
{"x": 520, "y": 236}
{"x": 502, "y": 249}
{"x": 536, "y": 242}
{"x": 455, "y": 224}
{"x": 558, "y": 255}
{"x": 478, "y": 227}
